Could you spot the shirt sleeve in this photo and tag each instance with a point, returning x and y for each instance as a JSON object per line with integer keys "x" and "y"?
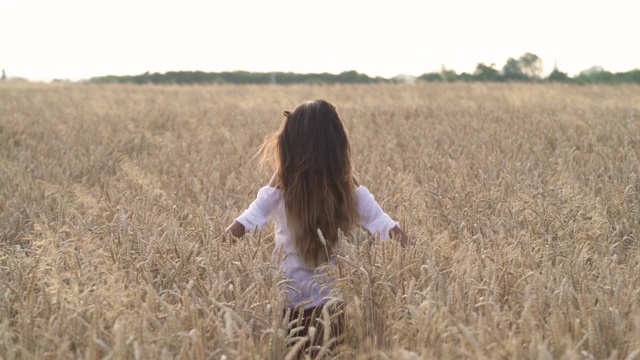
{"x": 261, "y": 209}
{"x": 371, "y": 215}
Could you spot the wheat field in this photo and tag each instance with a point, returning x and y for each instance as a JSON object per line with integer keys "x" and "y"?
{"x": 523, "y": 201}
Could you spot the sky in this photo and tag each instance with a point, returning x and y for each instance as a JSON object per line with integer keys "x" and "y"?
{"x": 41, "y": 40}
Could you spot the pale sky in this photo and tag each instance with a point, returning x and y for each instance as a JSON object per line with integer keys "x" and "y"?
{"x": 67, "y": 39}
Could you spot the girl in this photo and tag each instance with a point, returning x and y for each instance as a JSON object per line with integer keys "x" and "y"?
{"x": 312, "y": 196}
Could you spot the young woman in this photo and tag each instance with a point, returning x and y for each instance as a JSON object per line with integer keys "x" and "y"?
{"x": 311, "y": 197}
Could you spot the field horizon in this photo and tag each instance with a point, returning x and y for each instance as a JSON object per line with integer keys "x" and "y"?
{"x": 523, "y": 201}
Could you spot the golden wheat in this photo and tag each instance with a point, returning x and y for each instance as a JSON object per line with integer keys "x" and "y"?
{"x": 523, "y": 201}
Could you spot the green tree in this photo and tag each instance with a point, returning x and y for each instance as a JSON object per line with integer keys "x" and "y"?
{"x": 465, "y": 77}
{"x": 431, "y": 77}
{"x": 511, "y": 71}
{"x": 595, "y": 74}
{"x": 558, "y": 76}
{"x": 353, "y": 77}
{"x": 531, "y": 65}
{"x": 486, "y": 73}
{"x": 528, "y": 67}
{"x": 448, "y": 75}
{"x": 632, "y": 76}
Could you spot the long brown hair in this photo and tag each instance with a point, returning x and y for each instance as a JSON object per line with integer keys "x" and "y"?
{"x": 313, "y": 169}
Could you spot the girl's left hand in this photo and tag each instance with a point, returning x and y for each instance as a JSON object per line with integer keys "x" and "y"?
{"x": 397, "y": 234}
{"x": 236, "y": 229}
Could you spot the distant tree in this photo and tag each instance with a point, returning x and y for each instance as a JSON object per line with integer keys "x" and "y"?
{"x": 431, "y": 77}
{"x": 486, "y": 73}
{"x": 511, "y": 71}
{"x": 591, "y": 71}
{"x": 466, "y": 77}
{"x": 632, "y": 76}
{"x": 594, "y": 74}
{"x": 448, "y": 75}
{"x": 105, "y": 79}
{"x": 4, "y": 75}
{"x": 531, "y": 65}
{"x": 527, "y": 67}
{"x": 558, "y": 76}
{"x": 353, "y": 77}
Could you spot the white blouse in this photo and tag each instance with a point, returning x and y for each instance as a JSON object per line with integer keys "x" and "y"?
{"x": 308, "y": 287}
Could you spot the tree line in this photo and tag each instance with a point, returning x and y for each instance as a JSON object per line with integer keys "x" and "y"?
{"x": 238, "y": 77}
{"x": 526, "y": 68}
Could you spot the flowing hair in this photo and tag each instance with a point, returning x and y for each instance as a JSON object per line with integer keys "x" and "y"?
{"x": 312, "y": 158}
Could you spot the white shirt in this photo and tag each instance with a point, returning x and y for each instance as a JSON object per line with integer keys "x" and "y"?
{"x": 308, "y": 287}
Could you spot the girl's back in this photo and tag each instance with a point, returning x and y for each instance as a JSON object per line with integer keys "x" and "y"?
{"x": 312, "y": 196}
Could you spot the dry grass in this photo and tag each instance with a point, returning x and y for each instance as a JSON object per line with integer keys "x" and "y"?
{"x": 524, "y": 201}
